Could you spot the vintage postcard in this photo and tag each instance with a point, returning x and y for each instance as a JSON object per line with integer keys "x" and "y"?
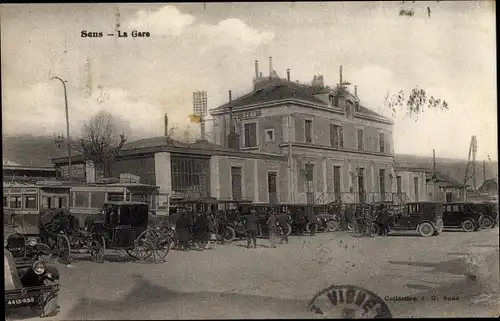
{"x": 250, "y": 160}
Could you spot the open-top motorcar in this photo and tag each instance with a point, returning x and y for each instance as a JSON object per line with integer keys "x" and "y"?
{"x": 31, "y": 284}
{"x": 488, "y": 214}
{"x": 426, "y": 218}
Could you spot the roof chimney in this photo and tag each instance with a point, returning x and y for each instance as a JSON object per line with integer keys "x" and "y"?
{"x": 166, "y": 125}
{"x": 260, "y": 75}
{"x": 288, "y": 74}
{"x": 356, "y": 91}
{"x": 256, "y": 69}
{"x": 270, "y": 66}
{"x": 340, "y": 76}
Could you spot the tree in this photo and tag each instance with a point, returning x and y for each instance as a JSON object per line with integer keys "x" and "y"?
{"x": 417, "y": 102}
{"x": 100, "y": 142}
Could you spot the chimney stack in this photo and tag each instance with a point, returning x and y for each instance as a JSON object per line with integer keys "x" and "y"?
{"x": 166, "y": 125}
{"x": 260, "y": 75}
{"x": 356, "y": 91}
{"x": 288, "y": 74}
{"x": 340, "y": 76}
{"x": 270, "y": 66}
{"x": 256, "y": 69}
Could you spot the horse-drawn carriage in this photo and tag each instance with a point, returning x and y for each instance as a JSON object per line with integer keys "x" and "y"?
{"x": 125, "y": 227}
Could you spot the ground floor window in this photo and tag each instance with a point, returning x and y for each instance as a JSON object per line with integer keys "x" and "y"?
{"x": 190, "y": 175}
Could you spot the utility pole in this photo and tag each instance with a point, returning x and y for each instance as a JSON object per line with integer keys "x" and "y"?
{"x": 67, "y": 125}
{"x": 290, "y": 159}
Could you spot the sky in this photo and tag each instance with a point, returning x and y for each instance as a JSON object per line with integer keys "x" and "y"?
{"x": 212, "y": 47}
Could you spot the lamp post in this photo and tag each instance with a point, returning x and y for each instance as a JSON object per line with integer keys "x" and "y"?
{"x": 67, "y": 124}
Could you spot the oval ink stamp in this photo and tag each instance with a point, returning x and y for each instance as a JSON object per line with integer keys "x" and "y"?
{"x": 348, "y": 302}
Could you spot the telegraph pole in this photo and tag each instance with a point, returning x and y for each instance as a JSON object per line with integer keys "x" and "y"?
{"x": 67, "y": 125}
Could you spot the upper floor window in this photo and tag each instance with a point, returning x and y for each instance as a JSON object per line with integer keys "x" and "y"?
{"x": 270, "y": 135}
{"x": 361, "y": 139}
{"x": 336, "y": 136}
{"x": 250, "y": 137}
{"x": 381, "y": 142}
{"x": 308, "y": 131}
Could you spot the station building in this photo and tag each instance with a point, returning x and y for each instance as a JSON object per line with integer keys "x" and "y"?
{"x": 335, "y": 147}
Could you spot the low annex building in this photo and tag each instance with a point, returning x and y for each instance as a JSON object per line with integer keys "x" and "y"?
{"x": 197, "y": 169}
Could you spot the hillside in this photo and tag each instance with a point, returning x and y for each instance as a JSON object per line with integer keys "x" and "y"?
{"x": 38, "y": 151}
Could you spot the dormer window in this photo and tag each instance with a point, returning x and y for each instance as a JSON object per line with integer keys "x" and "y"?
{"x": 356, "y": 107}
{"x": 349, "y": 108}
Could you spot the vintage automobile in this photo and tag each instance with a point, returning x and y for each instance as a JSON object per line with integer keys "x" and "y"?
{"x": 31, "y": 284}
{"x": 24, "y": 241}
{"x": 462, "y": 215}
{"x": 488, "y": 214}
{"x": 426, "y": 218}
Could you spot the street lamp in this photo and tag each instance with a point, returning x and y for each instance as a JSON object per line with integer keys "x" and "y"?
{"x": 67, "y": 124}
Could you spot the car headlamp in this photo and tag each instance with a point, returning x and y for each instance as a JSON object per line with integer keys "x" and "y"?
{"x": 39, "y": 268}
{"x": 32, "y": 241}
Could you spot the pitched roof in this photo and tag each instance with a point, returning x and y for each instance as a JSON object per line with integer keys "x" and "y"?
{"x": 441, "y": 177}
{"x": 278, "y": 89}
{"x": 275, "y": 89}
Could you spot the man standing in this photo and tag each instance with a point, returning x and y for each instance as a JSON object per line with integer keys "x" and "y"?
{"x": 272, "y": 224}
{"x": 384, "y": 219}
{"x": 251, "y": 226}
{"x": 283, "y": 220}
{"x": 311, "y": 219}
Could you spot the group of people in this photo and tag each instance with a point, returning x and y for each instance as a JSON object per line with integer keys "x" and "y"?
{"x": 200, "y": 229}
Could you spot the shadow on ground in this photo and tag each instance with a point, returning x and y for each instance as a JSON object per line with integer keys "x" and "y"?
{"x": 455, "y": 266}
{"x": 146, "y": 297}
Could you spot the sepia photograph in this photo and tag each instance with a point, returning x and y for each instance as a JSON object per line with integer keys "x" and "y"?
{"x": 250, "y": 160}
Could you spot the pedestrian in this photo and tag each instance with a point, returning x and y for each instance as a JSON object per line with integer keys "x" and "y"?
{"x": 312, "y": 220}
{"x": 272, "y": 224}
{"x": 182, "y": 228}
{"x": 384, "y": 219}
{"x": 201, "y": 230}
{"x": 283, "y": 222}
{"x": 251, "y": 227}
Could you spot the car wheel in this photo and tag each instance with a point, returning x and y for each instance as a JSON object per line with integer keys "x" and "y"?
{"x": 50, "y": 306}
{"x": 425, "y": 229}
{"x": 467, "y": 226}
{"x": 486, "y": 223}
{"x": 228, "y": 234}
{"x": 264, "y": 232}
{"x": 375, "y": 229}
{"x": 439, "y": 227}
{"x": 332, "y": 226}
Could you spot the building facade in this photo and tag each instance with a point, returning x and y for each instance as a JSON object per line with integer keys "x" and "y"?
{"x": 193, "y": 170}
{"x": 335, "y": 147}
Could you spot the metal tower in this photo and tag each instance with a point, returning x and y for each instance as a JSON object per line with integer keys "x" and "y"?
{"x": 470, "y": 169}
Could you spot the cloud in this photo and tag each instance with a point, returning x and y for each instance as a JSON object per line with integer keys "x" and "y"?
{"x": 232, "y": 32}
{"x": 165, "y": 21}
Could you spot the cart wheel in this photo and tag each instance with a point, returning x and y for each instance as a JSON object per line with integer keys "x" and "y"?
{"x": 97, "y": 250}
{"x": 131, "y": 253}
{"x": 144, "y": 251}
{"x": 63, "y": 250}
{"x": 50, "y": 307}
